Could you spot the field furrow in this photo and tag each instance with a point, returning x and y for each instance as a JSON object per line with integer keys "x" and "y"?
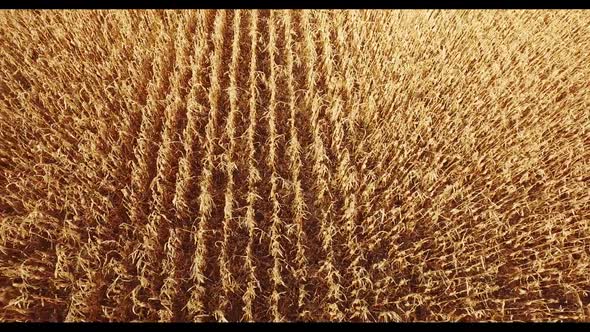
{"x": 250, "y": 220}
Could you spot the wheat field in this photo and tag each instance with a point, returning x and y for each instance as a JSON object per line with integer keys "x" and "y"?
{"x": 252, "y": 165}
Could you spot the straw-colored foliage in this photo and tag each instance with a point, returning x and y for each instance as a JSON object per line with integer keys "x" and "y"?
{"x": 294, "y": 165}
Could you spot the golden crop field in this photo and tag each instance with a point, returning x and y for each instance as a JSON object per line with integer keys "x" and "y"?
{"x": 294, "y": 165}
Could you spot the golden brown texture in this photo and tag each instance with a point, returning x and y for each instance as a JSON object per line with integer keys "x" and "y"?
{"x": 294, "y": 165}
